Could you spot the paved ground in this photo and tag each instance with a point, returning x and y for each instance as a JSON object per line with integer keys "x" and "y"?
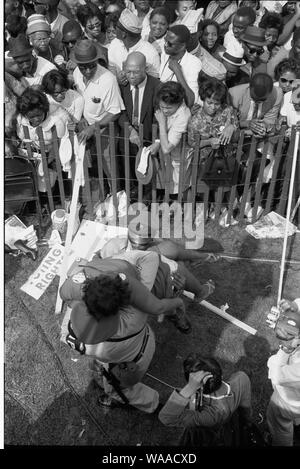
{"x": 49, "y": 396}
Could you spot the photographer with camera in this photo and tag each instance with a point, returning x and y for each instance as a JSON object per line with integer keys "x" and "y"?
{"x": 284, "y": 372}
{"x": 206, "y": 405}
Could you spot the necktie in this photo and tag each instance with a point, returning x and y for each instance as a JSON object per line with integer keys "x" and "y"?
{"x": 135, "y": 114}
{"x": 255, "y": 110}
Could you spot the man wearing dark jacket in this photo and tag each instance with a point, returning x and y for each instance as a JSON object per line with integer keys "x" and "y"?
{"x": 139, "y": 99}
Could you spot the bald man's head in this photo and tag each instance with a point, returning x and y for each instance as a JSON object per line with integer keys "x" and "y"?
{"x": 135, "y": 68}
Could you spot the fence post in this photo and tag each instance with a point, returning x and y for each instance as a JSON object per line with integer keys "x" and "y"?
{"x": 287, "y": 175}
{"x": 45, "y": 168}
{"x": 58, "y": 166}
{"x": 278, "y": 158}
{"x": 87, "y": 185}
{"x": 181, "y": 167}
{"x": 99, "y": 161}
{"x": 247, "y": 183}
{"x": 233, "y": 192}
{"x": 259, "y": 181}
{"x": 127, "y": 163}
{"x": 113, "y": 168}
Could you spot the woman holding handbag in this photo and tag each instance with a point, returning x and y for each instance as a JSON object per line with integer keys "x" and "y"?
{"x": 215, "y": 122}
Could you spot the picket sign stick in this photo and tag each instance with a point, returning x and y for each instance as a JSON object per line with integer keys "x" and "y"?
{"x": 71, "y": 221}
{"x": 221, "y": 313}
{"x": 288, "y": 214}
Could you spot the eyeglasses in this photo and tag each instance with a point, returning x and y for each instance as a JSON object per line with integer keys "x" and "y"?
{"x": 285, "y": 80}
{"x": 87, "y": 66}
{"x": 59, "y": 93}
{"x": 94, "y": 26}
{"x": 70, "y": 42}
{"x": 253, "y": 51}
{"x": 42, "y": 40}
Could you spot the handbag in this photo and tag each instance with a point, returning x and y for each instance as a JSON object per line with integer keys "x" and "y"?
{"x": 221, "y": 167}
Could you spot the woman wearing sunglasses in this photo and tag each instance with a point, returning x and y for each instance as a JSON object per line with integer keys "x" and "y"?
{"x": 286, "y": 72}
{"x": 92, "y": 21}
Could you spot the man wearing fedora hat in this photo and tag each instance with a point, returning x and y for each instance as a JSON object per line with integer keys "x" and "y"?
{"x": 101, "y": 93}
{"x": 129, "y": 40}
{"x": 32, "y": 67}
{"x": 49, "y": 8}
{"x": 256, "y": 53}
{"x": 232, "y": 60}
{"x": 39, "y": 35}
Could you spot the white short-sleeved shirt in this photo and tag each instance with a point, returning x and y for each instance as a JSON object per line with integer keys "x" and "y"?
{"x": 177, "y": 125}
{"x": 191, "y": 67}
{"x": 289, "y": 111}
{"x": 117, "y": 54}
{"x": 232, "y": 42}
{"x": 43, "y": 67}
{"x": 101, "y": 94}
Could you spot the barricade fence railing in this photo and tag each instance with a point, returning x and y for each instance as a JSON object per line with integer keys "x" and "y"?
{"x": 108, "y": 170}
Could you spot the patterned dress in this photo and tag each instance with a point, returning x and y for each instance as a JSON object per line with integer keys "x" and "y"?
{"x": 209, "y": 127}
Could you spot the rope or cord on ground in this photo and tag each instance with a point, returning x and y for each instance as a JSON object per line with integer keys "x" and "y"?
{"x": 160, "y": 381}
{"x": 254, "y": 259}
{"x": 62, "y": 371}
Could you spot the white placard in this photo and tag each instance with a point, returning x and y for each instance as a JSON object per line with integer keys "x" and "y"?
{"x": 40, "y": 280}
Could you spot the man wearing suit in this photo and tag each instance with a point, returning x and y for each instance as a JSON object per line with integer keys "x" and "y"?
{"x": 139, "y": 100}
{"x": 258, "y": 104}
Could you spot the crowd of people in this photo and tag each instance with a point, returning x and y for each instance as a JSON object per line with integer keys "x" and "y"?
{"x": 205, "y": 69}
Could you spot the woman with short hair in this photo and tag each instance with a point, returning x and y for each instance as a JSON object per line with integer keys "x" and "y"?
{"x": 172, "y": 116}
{"x": 92, "y": 21}
{"x": 286, "y": 72}
{"x": 34, "y": 112}
{"x": 57, "y": 88}
{"x": 159, "y": 24}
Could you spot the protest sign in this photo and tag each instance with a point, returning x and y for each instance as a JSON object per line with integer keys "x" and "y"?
{"x": 39, "y": 281}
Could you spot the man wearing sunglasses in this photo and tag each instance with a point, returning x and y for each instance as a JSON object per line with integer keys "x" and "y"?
{"x": 256, "y": 53}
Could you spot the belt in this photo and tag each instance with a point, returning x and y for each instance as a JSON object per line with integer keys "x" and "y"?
{"x": 143, "y": 347}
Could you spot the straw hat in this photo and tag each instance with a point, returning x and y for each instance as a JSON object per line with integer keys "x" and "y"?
{"x": 130, "y": 22}
{"x": 233, "y": 55}
{"x": 36, "y": 23}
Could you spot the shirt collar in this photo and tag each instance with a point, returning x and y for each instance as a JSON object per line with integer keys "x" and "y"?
{"x": 135, "y": 45}
{"x": 141, "y": 85}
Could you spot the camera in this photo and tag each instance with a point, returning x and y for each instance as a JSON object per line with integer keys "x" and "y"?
{"x": 272, "y": 317}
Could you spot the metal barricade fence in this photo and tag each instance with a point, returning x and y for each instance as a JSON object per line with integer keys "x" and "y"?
{"x": 109, "y": 160}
